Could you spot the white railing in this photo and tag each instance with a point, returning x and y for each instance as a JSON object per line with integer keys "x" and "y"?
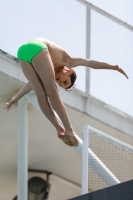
{"x": 98, "y": 166}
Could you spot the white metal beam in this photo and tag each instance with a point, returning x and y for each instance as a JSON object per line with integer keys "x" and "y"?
{"x": 88, "y": 43}
{"x": 85, "y": 159}
{"x": 22, "y": 150}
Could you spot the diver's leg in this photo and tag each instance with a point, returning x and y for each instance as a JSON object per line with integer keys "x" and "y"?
{"x": 45, "y": 106}
{"x": 43, "y": 65}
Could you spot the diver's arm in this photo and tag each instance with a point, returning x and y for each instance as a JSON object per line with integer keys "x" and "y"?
{"x": 75, "y": 61}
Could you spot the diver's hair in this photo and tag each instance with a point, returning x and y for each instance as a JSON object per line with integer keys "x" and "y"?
{"x": 73, "y": 77}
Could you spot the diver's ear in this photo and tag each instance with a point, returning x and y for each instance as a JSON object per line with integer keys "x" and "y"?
{"x": 70, "y": 71}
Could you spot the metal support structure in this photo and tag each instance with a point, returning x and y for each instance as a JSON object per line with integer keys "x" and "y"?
{"x": 85, "y": 160}
{"x": 94, "y": 161}
{"x": 22, "y": 150}
{"x": 88, "y": 41}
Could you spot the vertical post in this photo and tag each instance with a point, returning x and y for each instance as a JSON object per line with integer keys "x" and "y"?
{"x": 88, "y": 35}
{"x": 85, "y": 133}
{"x": 22, "y": 150}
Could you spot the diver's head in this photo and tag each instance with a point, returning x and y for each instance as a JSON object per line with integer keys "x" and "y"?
{"x": 66, "y": 77}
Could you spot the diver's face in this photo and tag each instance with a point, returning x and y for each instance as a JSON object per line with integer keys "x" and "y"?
{"x": 63, "y": 78}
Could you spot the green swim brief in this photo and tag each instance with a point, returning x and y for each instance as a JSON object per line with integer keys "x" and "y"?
{"x": 30, "y": 49}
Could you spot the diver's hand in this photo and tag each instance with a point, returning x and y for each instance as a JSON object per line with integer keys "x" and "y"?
{"x": 9, "y": 105}
{"x": 119, "y": 69}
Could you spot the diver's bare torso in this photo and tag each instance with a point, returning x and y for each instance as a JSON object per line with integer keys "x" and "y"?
{"x": 57, "y": 53}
